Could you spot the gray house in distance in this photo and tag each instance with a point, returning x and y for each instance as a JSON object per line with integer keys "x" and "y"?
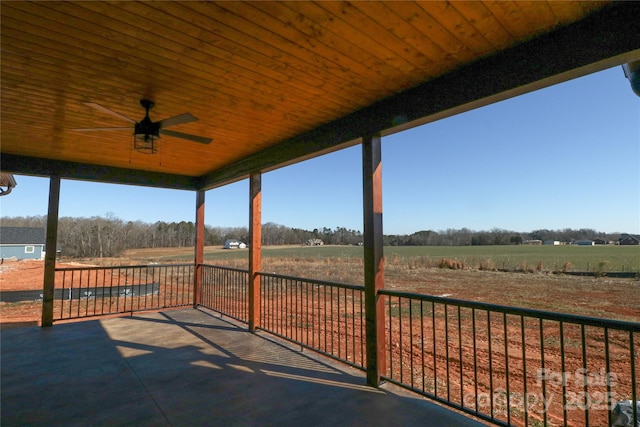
{"x": 22, "y": 242}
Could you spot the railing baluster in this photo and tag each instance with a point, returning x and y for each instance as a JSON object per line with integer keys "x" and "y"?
{"x": 543, "y": 380}
{"x": 584, "y": 367}
{"x": 490, "y": 363}
{"x": 446, "y": 348}
{"x": 411, "y": 341}
{"x": 460, "y": 356}
{"x": 433, "y": 330}
{"x": 525, "y": 394}
{"x": 563, "y": 370}
{"x": 422, "y": 343}
{"x": 506, "y": 365}
{"x": 400, "y": 347}
{"x": 634, "y": 384}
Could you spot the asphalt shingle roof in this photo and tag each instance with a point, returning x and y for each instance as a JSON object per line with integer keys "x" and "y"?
{"x": 22, "y": 235}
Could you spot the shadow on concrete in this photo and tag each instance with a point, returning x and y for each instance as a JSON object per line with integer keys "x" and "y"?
{"x": 188, "y": 368}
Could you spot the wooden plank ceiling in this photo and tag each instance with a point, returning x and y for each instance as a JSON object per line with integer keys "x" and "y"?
{"x": 257, "y": 75}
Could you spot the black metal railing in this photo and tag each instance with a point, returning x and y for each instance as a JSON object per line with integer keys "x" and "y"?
{"x": 226, "y": 290}
{"x": 97, "y": 291}
{"x": 327, "y": 317}
{"x": 511, "y": 366}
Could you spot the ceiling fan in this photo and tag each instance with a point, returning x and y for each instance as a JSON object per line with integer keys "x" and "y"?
{"x": 146, "y": 131}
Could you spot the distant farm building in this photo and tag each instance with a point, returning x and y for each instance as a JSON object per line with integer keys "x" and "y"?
{"x": 584, "y": 243}
{"x": 552, "y": 242}
{"x": 629, "y": 239}
{"x": 22, "y": 242}
{"x": 532, "y": 242}
{"x": 234, "y": 244}
{"x": 314, "y": 242}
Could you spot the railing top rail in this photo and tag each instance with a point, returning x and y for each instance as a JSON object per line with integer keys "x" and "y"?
{"x": 239, "y": 270}
{"x": 115, "y": 267}
{"x": 518, "y": 311}
{"x": 318, "y": 282}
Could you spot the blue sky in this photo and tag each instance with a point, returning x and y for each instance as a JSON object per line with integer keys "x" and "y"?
{"x": 567, "y": 156}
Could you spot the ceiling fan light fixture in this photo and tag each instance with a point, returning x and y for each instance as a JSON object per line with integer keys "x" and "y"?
{"x": 146, "y": 133}
{"x": 145, "y": 143}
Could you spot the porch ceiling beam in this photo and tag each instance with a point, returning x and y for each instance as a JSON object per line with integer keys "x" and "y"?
{"x": 37, "y": 166}
{"x": 605, "y": 39}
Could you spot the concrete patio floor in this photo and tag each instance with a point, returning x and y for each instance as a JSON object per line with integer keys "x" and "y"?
{"x": 188, "y": 368}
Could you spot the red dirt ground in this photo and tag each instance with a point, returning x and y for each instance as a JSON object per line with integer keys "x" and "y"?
{"x": 20, "y": 276}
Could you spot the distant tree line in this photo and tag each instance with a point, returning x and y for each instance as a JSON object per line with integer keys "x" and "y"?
{"x": 109, "y": 236}
{"x": 495, "y": 236}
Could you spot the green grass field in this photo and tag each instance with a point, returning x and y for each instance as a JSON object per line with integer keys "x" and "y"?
{"x": 548, "y": 258}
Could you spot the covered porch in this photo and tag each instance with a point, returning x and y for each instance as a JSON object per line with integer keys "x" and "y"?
{"x": 189, "y": 367}
{"x": 275, "y": 83}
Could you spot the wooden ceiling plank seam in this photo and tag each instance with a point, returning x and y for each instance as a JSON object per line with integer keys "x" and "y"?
{"x": 344, "y": 68}
{"x": 458, "y": 26}
{"x": 305, "y": 32}
{"x": 149, "y": 58}
{"x": 357, "y": 75}
{"x": 408, "y": 34}
{"x": 395, "y": 50}
{"x": 306, "y": 62}
{"x": 429, "y": 27}
{"x": 481, "y": 18}
{"x": 52, "y": 49}
{"x": 341, "y": 51}
{"x": 510, "y": 16}
{"x": 355, "y": 39}
{"x": 528, "y": 66}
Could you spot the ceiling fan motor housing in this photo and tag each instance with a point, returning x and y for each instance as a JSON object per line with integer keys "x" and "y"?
{"x": 145, "y": 127}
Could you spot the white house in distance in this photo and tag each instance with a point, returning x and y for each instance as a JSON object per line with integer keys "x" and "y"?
{"x": 234, "y": 244}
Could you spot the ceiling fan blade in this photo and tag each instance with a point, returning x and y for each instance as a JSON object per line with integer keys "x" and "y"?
{"x": 108, "y": 111}
{"x": 100, "y": 129}
{"x": 177, "y": 120}
{"x": 195, "y": 138}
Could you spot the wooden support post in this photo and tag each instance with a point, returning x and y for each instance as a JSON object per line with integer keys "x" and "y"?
{"x": 51, "y": 244}
{"x": 199, "y": 250}
{"x": 255, "y": 249}
{"x": 373, "y": 259}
